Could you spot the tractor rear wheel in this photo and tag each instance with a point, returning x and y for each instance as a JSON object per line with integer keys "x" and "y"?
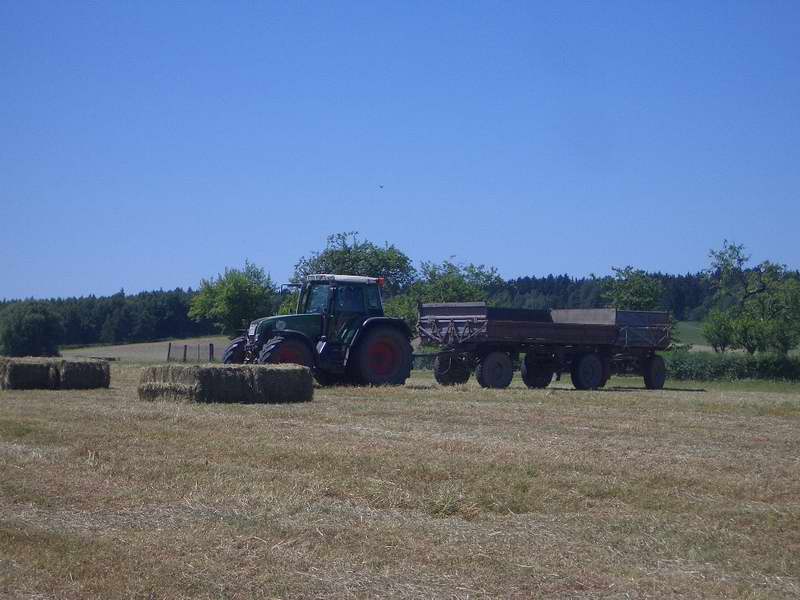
{"x": 234, "y": 353}
{"x": 655, "y": 373}
{"x": 536, "y": 375}
{"x": 587, "y": 372}
{"x": 495, "y": 370}
{"x": 450, "y": 370}
{"x": 383, "y": 357}
{"x": 279, "y": 350}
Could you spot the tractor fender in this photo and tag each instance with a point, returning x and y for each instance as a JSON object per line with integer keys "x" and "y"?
{"x": 368, "y": 324}
{"x": 297, "y": 335}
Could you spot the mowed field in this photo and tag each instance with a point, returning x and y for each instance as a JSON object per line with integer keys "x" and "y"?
{"x": 409, "y": 492}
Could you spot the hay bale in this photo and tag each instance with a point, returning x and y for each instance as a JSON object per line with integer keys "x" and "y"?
{"x": 226, "y": 383}
{"x": 176, "y": 392}
{"x": 283, "y": 383}
{"x": 84, "y": 374}
{"x": 28, "y": 374}
{"x": 31, "y": 373}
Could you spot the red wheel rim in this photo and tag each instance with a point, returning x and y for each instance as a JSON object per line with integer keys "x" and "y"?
{"x": 287, "y": 354}
{"x": 382, "y": 357}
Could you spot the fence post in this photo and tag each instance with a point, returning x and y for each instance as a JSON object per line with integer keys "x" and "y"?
{"x": 211, "y": 353}
{"x": 185, "y": 348}
{"x": 198, "y": 352}
{"x": 169, "y": 350}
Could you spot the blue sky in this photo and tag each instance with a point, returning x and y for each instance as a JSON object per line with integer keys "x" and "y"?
{"x": 147, "y": 145}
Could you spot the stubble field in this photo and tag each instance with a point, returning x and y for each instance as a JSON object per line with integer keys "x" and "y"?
{"x": 411, "y": 492}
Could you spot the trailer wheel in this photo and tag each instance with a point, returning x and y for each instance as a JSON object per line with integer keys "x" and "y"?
{"x": 606, "y": 371}
{"x": 280, "y": 350}
{"x": 536, "y": 375}
{"x": 450, "y": 370}
{"x": 495, "y": 370}
{"x": 234, "y": 353}
{"x": 655, "y": 373}
{"x": 383, "y": 357}
{"x": 587, "y": 372}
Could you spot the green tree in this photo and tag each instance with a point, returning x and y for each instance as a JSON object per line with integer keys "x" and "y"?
{"x": 763, "y": 301}
{"x": 346, "y": 254}
{"x": 402, "y": 306}
{"x": 444, "y": 282}
{"x": 450, "y": 282}
{"x": 234, "y": 297}
{"x": 749, "y": 332}
{"x": 782, "y": 317}
{"x": 288, "y": 303}
{"x": 633, "y": 289}
{"x": 718, "y": 330}
{"x": 30, "y": 329}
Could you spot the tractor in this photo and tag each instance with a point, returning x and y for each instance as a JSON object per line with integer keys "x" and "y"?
{"x": 339, "y": 331}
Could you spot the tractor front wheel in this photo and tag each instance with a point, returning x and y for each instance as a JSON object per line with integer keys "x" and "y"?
{"x": 279, "y": 350}
{"x": 234, "y": 353}
{"x": 383, "y": 357}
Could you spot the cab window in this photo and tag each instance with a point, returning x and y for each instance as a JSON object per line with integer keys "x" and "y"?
{"x": 350, "y": 299}
{"x": 317, "y": 298}
{"x": 373, "y": 298}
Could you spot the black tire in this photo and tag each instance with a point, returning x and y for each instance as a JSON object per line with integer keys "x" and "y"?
{"x": 655, "y": 373}
{"x": 587, "y": 372}
{"x": 282, "y": 350}
{"x": 535, "y": 374}
{"x": 495, "y": 370}
{"x": 234, "y": 353}
{"x": 382, "y": 357}
{"x": 450, "y": 370}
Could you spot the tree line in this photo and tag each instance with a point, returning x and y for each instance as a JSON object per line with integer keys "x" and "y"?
{"x": 753, "y": 307}
{"x": 39, "y": 327}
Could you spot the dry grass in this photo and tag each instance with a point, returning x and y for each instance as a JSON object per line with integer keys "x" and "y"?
{"x": 411, "y": 492}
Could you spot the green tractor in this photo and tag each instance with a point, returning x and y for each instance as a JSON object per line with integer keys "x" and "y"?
{"x": 339, "y": 331}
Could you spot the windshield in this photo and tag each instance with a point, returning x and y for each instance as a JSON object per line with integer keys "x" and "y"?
{"x": 317, "y": 298}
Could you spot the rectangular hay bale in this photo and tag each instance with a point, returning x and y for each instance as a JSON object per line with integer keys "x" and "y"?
{"x": 250, "y": 384}
{"x": 84, "y": 374}
{"x": 30, "y": 373}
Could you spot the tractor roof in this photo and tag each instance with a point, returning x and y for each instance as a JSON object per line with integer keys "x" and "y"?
{"x": 342, "y": 278}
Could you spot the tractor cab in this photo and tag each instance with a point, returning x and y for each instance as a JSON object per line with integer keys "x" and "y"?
{"x": 333, "y": 332}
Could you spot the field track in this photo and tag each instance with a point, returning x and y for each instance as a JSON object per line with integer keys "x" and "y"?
{"x": 410, "y": 492}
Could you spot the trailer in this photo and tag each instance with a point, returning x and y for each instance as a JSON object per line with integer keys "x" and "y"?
{"x": 589, "y": 344}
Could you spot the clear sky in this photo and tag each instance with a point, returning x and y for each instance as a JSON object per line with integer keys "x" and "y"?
{"x": 146, "y": 145}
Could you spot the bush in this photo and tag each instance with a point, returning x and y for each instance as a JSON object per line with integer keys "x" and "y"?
{"x": 708, "y": 366}
{"x": 30, "y": 329}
